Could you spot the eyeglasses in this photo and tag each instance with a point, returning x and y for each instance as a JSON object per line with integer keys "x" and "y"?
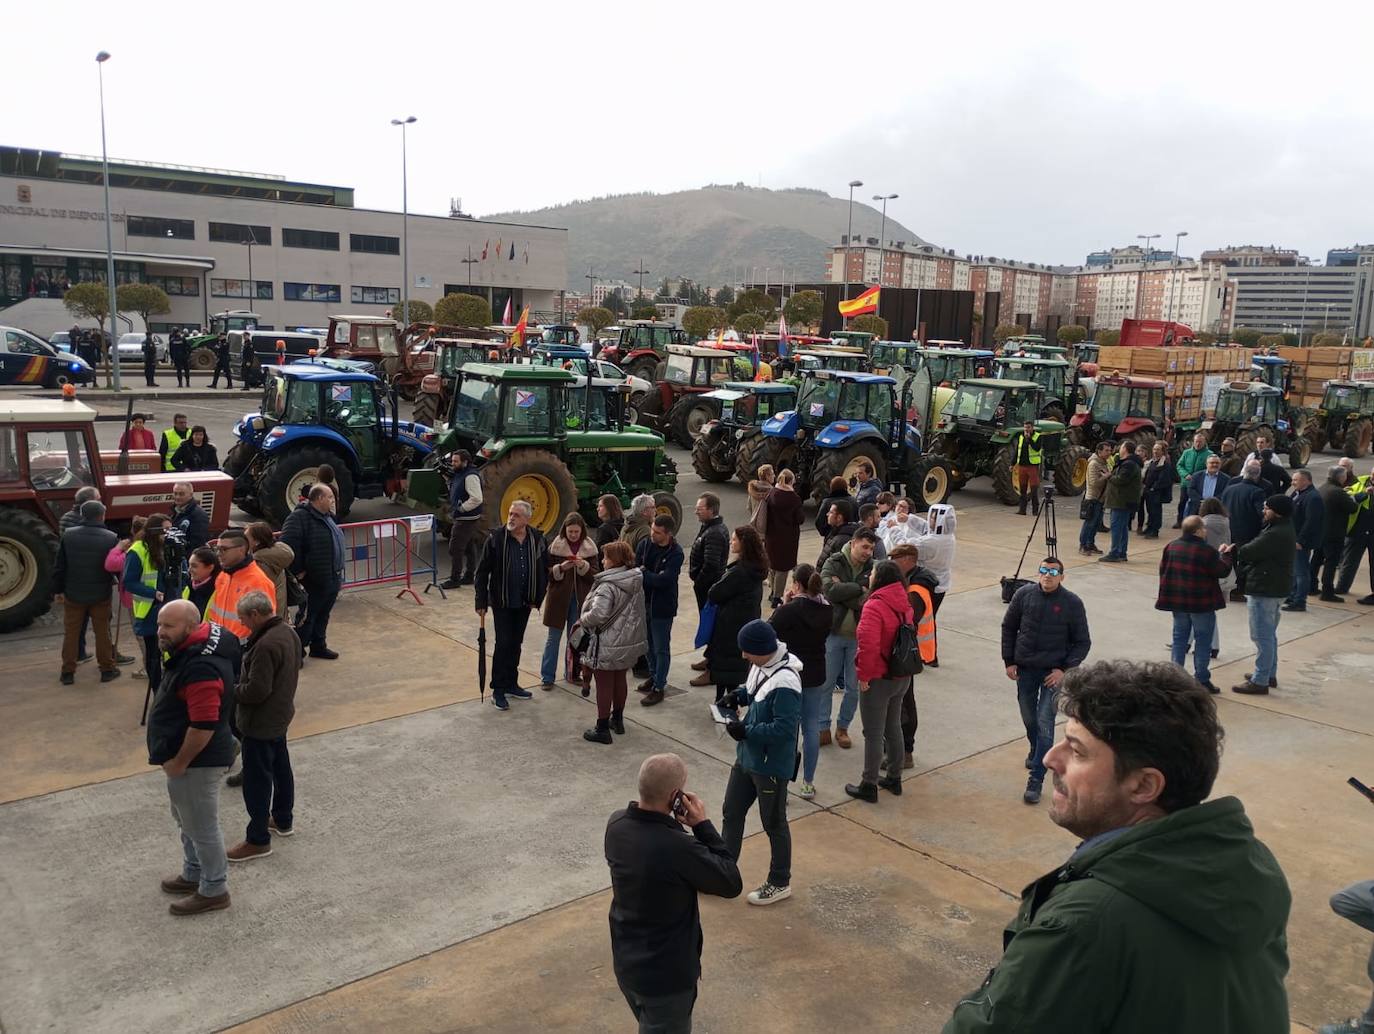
{"x": 1051, "y": 570}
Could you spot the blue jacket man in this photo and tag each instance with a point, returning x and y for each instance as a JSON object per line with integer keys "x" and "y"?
{"x": 465, "y": 511}
{"x": 1205, "y": 484}
{"x": 660, "y": 559}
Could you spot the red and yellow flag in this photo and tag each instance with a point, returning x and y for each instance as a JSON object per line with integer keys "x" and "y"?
{"x": 864, "y": 303}
{"x": 517, "y": 338}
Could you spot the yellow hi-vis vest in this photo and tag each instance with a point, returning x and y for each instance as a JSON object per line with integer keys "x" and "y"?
{"x": 173, "y": 440}
{"x": 142, "y": 605}
{"x": 1360, "y": 485}
{"x": 1033, "y": 448}
{"x": 925, "y": 627}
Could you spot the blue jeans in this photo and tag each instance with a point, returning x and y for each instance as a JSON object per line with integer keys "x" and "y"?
{"x": 1087, "y": 535}
{"x": 1121, "y": 531}
{"x": 1302, "y": 577}
{"x": 1039, "y": 704}
{"x": 660, "y": 653}
{"x": 1201, "y": 627}
{"x": 1264, "y": 633}
{"x": 840, "y": 654}
{"x": 548, "y": 664}
{"x": 813, "y": 706}
{"x": 195, "y": 806}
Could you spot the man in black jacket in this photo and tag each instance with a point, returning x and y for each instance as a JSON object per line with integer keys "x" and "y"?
{"x": 657, "y": 871}
{"x": 318, "y": 548}
{"x": 706, "y": 563}
{"x": 222, "y": 360}
{"x": 1309, "y": 525}
{"x": 1338, "y": 505}
{"x": 512, "y": 580}
{"x": 840, "y": 526}
{"x": 82, "y": 585}
{"x": 188, "y": 735}
{"x": 1044, "y": 634}
{"x": 188, "y": 517}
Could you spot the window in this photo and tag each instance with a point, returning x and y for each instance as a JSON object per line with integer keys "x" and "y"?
{"x": 153, "y": 226}
{"x": 375, "y": 295}
{"x": 240, "y": 289}
{"x": 321, "y": 240}
{"x": 294, "y": 292}
{"x": 240, "y": 233}
{"x": 17, "y": 342}
{"x": 374, "y": 244}
{"x": 58, "y": 460}
{"x": 176, "y": 286}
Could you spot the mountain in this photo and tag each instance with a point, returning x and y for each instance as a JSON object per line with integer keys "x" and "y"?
{"x": 713, "y": 235}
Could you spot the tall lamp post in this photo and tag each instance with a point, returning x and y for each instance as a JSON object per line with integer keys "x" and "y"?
{"x": 1174, "y": 266}
{"x": 884, "y": 198}
{"x": 849, "y": 241}
{"x": 405, "y": 224}
{"x": 641, "y": 272}
{"x": 591, "y": 279}
{"x": 113, "y": 352}
{"x": 468, "y": 262}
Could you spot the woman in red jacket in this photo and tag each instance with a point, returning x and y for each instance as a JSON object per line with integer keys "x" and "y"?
{"x": 880, "y": 697}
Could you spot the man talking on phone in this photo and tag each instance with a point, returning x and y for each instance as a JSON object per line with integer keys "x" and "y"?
{"x": 657, "y": 871}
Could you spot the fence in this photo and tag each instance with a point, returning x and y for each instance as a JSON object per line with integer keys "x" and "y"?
{"x": 384, "y": 552}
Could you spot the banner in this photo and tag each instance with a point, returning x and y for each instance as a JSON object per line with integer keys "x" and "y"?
{"x": 863, "y": 304}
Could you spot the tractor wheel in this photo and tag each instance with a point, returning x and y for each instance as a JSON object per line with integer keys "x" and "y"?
{"x": 236, "y": 460}
{"x": 1245, "y": 445}
{"x": 1358, "y": 438}
{"x": 1054, "y": 411}
{"x": 290, "y": 476}
{"x": 538, "y": 477}
{"x": 1144, "y": 442}
{"x": 1298, "y": 452}
{"x": 633, "y": 407}
{"x": 202, "y": 359}
{"x": 931, "y": 482}
{"x": 426, "y": 409}
{"x": 651, "y": 412}
{"x": 28, "y": 553}
{"x": 644, "y": 368}
{"x": 833, "y": 463}
{"x": 758, "y": 449}
{"x": 688, "y": 417}
{"x": 666, "y": 502}
{"x": 704, "y": 451}
{"x": 1079, "y": 436}
{"x": 1003, "y": 479}
{"x": 1315, "y": 435}
{"x": 1071, "y": 472}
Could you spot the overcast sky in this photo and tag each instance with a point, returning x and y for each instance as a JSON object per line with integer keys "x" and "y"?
{"x": 1021, "y": 130}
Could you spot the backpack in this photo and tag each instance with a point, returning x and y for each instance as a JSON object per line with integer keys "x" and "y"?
{"x": 906, "y": 653}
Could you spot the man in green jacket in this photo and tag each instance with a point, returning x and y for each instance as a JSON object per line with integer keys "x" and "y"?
{"x": 844, "y": 580}
{"x": 1266, "y": 565}
{"x": 1190, "y": 463}
{"x": 1121, "y": 498}
{"x": 1170, "y": 915}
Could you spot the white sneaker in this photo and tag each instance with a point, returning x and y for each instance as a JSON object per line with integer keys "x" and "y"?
{"x": 807, "y": 791}
{"x": 769, "y": 895}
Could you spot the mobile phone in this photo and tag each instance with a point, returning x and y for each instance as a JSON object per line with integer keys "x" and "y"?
{"x": 1361, "y": 787}
{"x": 679, "y": 806}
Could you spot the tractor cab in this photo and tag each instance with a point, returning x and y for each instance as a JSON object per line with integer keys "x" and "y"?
{"x": 728, "y": 444}
{"x": 1050, "y": 374}
{"x": 374, "y": 338}
{"x": 746, "y": 404}
{"x": 860, "y": 339}
{"x": 491, "y": 403}
{"x": 1273, "y": 371}
{"x": 1344, "y": 397}
{"x": 1246, "y": 404}
{"x": 888, "y": 355}
{"x": 850, "y": 359}
{"x": 642, "y": 345}
{"x": 828, "y": 397}
{"x": 561, "y": 335}
{"x": 563, "y": 356}
{"x": 992, "y": 407}
{"x": 1023, "y": 344}
{"x": 1122, "y": 408}
{"x": 949, "y": 366}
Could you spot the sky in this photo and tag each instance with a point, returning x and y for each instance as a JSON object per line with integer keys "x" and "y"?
{"x": 1021, "y": 130}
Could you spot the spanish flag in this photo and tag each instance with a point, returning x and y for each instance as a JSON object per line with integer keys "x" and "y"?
{"x": 865, "y": 303}
{"x": 517, "y": 338}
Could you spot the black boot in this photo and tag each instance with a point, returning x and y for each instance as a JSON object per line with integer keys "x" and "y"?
{"x": 618, "y": 722}
{"x": 601, "y": 734}
{"x": 864, "y": 792}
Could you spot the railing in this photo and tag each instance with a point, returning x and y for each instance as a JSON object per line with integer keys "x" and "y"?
{"x": 383, "y": 552}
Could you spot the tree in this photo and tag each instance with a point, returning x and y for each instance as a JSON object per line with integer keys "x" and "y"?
{"x": 1327, "y": 340}
{"x": 1246, "y": 336}
{"x": 420, "y": 312}
{"x": 754, "y": 301}
{"x": 644, "y": 312}
{"x": 749, "y": 323}
{"x": 615, "y": 303}
{"x": 1071, "y": 334}
{"x": 1205, "y": 337}
{"x": 700, "y": 320}
{"x": 724, "y": 296}
{"x": 804, "y": 309}
{"x": 596, "y": 317}
{"x": 463, "y": 310}
{"x": 1003, "y": 331}
{"x": 1270, "y": 341}
{"x": 1290, "y": 339}
{"x": 92, "y": 301}
{"x": 147, "y": 300}
{"x": 1108, "y": 337}
{"x": 870, "y": 324}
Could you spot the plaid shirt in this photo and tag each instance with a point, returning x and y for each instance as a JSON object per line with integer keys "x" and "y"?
{"x": 1189, "y": 576}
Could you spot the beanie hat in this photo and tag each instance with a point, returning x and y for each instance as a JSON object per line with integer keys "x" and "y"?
{"x": 1280, "y": 504}
{"x": 758, "y": 638}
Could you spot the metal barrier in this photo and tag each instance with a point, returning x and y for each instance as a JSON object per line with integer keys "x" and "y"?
{"x": 383, "y": 552}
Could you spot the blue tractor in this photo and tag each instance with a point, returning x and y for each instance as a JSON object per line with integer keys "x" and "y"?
{"x": 842, "y": 418}
{"x": 313, "y": 415}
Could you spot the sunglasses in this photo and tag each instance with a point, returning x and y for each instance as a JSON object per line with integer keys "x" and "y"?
{"x": 1051, "y": 570}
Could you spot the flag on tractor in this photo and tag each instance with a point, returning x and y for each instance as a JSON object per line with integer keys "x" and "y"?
{"x": 505, "y": 316}
{"x": 782, "y": 336}
{"x": 865, "y": 303}
{"x": 517, "y": 339}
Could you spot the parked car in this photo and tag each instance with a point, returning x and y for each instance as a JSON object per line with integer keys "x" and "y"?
{"x": 130, "y": 347}
{"x": 62, "y": 341}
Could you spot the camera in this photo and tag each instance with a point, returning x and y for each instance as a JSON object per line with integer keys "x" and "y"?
{"x": 174, "y": 556}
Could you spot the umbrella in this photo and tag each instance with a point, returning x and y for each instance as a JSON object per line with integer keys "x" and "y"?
{"x": 482, "y": 655}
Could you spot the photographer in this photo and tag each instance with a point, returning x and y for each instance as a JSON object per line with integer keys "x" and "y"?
{"x": 657, "y": 871}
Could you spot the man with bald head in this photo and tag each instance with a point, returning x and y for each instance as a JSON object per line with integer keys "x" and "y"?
{"x": 188, "y": 735}
{"x": 657, "y": 871}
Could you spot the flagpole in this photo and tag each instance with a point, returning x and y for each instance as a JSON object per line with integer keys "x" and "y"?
{"x": 849, "y": 245}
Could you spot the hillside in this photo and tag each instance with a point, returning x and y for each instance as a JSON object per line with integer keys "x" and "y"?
{"x": 707, "y": 234}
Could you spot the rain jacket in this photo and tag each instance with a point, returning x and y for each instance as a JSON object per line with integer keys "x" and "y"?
{"x": 773, "y": 696}
{"x": 885, "y": 611}
{"x": 614, "y": 612}
{"x": 1175, "y": 925}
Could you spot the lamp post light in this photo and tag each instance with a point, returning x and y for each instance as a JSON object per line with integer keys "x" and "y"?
{"x": 113, "y": 352}
{"x": 1147, "y": 238}
{"x": 641, "y": 272}
{"x": 882, "y": 246}
{"x": 468, "y": 262}
{"x": 405, "y": 224}
{"x": 591, "y": 279}
{"x": 849, "y": 241}
{"x": 1174, "y": 265}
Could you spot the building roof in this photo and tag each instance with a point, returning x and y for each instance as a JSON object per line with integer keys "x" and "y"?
{"x": 192, "y": 262}
{"x": 44, "y": 411}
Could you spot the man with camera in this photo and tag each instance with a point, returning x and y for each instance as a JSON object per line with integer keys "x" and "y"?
{"x": 657, "y": 871}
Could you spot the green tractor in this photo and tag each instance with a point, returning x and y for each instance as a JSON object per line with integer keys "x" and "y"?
{"x": 859, "y": 339}
{"x": 557, "y": 441}
{"x": 978, "y": 429}
{"x": 1054, "y": 375}
{"x": 727, "y": 445}
{"x": 200, "y": 348}
{"x": 1246, "y": 410}
{"x": 1345, "y": 419}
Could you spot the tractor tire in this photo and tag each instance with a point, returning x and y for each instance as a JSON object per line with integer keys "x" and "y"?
{"x": 1071, "y": 472}
{"x": 28, "y": 554}
{"x": 931, "y": 482}
{"x": 1079, "y": 436}
{"x": 1144, "y": 443}
{"x": 535, "y": 475}
{"x": 643, "y": 368}
{"x": 666, "y": 502}
{"x": 757, "y": 450}
{"x": 688, "y": 417}
{"x": 1245, "y": 445}
{"x": 704, "y": 462}
{"x": 1299, "y": 452}
{"x": 1054, "y": 411}
{"x": 237, "y": 459}
{"x": 834, "y": 463}
{"x": 287, "y": 476}
{"x": 1003, "y": 480}
{"x": 426, "y": 409}
{"x": 633, "y": 407}
{"x": 1359, "y": 436}
{"x": 202, "y": 359}
{"x": 1315, "y": 434}
{"x": 651, "y": 412}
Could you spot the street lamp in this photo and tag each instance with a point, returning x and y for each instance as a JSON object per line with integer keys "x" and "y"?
{"x": 405, "y": 228}
{"x": 100, "y": 60}
{"x": 641, "y": 272}
{"x": 1173, "y": 266}
{"x": 849, "y": 240}
{"x": 884, "y": 198}
{"x": 1147, "y": 238}
{"x": 591, "y": 279}
{"x": 468, "y": 262}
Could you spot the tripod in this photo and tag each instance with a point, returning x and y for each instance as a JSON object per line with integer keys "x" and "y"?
{"x": 1010, "y": 585}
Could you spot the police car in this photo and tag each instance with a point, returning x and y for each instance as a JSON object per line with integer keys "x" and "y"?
{"x": 25, "y": 359}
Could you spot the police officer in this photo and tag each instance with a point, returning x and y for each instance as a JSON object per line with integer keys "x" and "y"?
{"x": 149, "y": 359}
{"x": 222, "y": 362}
{"x": 180, "y": 354}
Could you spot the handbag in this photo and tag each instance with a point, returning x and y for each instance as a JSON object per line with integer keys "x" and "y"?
{"x": 906, "y": 653}
{"x": 706, "y": 626}
{"x": 760, "y": 518}
{"x": 1085, "y": 508}
{"x": 581, "y": 638}
{"x": 295, "y": 592}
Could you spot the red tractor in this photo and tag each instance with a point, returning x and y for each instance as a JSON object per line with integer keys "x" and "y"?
{"x": 676, "y": 408}
{"x": 642, "y": 347}
{"x": 1122, "y": 409}
{"x": 48, "y": 451}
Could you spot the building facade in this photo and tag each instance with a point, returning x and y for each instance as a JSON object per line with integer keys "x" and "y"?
{"x": 1306, "y": 300}
{"x": 215, "y": 240}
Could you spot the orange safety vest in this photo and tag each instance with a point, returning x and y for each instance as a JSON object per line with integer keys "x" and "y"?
{"x": 223, "y": 608}
{"x": 925, "y": 628}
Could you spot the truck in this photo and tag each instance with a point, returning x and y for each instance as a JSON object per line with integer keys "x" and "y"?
{"x": 1155, "y": 334}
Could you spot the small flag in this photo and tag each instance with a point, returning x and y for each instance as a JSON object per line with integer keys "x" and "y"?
{"x": 497, "y": 253}
{"x": 720, "y": 340}
{"x": 484, "y": 249}
{"x": 865, "y": 303}
{"x": 341, "y": 393}
{"x": 782, "y": 336}
{"x": 517, "y": 339}
{"x": 524, "y": 399}
{"x": 754, "y": 357}
{"x": 527, "y": 253}
{"x": 512, "y": 251}
{"x": 505, "y": 316}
